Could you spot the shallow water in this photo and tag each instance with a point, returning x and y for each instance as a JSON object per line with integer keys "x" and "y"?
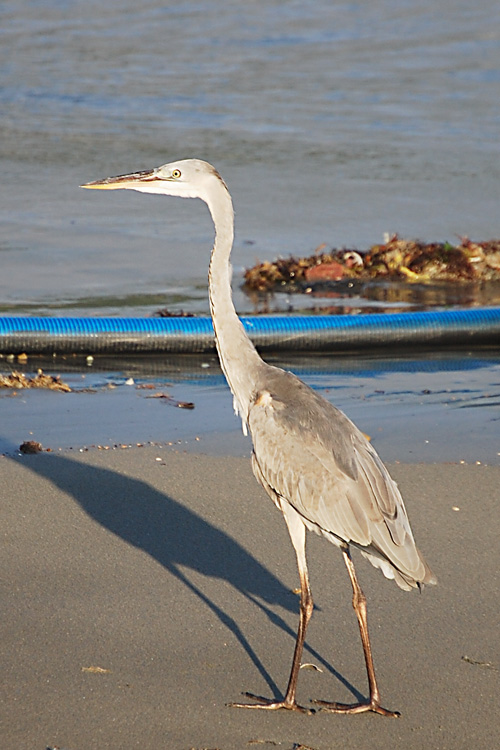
{"x": 430, "y": 408}
{"x": 331, "y": 122}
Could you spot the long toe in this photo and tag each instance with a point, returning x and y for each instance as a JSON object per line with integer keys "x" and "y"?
{"x": 271, "y": 705}
{"x": 356, "y": 708}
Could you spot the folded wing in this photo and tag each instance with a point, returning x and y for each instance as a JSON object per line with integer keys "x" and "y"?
{"x": 311, "y": 455}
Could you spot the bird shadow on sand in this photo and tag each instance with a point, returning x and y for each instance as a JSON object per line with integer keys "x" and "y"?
{"x": 179, "y": 539}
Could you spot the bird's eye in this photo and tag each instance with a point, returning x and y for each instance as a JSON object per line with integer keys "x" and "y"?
{"x": 176, "y": 173}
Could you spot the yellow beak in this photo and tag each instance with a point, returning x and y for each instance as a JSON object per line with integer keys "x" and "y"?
{"x": 122, "y": 181}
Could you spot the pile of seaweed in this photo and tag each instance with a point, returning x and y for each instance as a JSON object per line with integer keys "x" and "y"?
{"x": 396, "y": 259}
{"x": 18, "y": 380}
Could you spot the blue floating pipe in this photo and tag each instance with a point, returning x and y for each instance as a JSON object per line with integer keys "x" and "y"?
{"x": 39, "y": 335}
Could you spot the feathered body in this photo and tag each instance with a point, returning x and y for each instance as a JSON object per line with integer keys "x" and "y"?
{"x": 309, "y": 454}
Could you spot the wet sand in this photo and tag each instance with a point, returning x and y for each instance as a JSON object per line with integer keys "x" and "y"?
{"x": 142, "y": 595}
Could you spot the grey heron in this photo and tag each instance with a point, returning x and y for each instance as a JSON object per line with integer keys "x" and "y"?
{"x": 314, "y": 463}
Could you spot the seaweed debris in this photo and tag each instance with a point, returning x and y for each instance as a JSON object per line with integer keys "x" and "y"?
{"x": 164, "y": 312}
{"x": 18, "y": 380}
{"x": 396, "y": 259}
{"x": 31, "y": 447}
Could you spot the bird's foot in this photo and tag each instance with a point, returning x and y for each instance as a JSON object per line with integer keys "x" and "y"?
{"x": 272, "y": 705}
{"x": 356, "y": 708}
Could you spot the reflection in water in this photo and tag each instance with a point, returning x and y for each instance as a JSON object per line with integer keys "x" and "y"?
{"x": 350, "y": 297}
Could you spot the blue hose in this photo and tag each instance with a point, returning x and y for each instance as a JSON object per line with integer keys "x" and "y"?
{"x": 37, "y": 335}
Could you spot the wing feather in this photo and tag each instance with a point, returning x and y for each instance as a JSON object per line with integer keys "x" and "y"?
{"x": 310, "y": 454}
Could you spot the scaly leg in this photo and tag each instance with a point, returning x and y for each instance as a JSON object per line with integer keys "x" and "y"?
{"x": 297, "y": 532}
{"x": 359, "y": 604}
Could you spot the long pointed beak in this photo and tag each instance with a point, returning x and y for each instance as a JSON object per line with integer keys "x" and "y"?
{"x": 123, "y": 181}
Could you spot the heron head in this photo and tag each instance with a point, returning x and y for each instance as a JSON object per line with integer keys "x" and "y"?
{"x": 188, "y": 178}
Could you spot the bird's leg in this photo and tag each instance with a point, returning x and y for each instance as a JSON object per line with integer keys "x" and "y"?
{"x": 359, "y": 604}
{"x": 298, "y": 536}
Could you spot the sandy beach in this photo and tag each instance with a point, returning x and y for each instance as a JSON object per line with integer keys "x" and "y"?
{"x": 145, "y": 589}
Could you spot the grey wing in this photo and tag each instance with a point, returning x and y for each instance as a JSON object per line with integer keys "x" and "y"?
{"x": 311, "y": 455}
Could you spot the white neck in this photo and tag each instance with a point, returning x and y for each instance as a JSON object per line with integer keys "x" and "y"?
{"x": 239, "y": 359}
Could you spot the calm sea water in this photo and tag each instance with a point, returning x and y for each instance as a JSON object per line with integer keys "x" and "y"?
{"x": 330, "y": 121}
